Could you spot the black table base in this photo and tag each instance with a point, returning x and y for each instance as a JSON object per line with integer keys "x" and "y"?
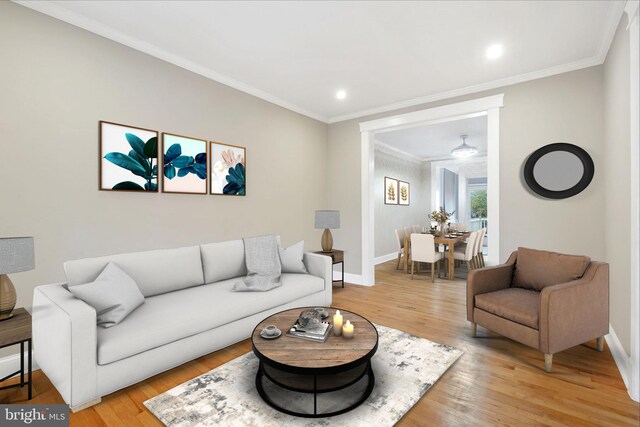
{"x": 22, "y": 372}
{"x": 316, "y": 384}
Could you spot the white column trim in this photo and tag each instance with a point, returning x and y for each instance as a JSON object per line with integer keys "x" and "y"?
{"x": 367, "y": 191}
{"x": 493, "y": 186}
{"x": 631, "y": 9}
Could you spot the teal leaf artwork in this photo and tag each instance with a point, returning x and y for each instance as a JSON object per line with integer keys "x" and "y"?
{"x": 130, "y": 155}
{"x": 227, "y": 169}
{"x": 235, "y": 180}
{"x": 185, "y": 164}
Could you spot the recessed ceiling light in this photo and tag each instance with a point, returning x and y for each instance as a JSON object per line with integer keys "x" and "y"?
{"x": 494, "y": 51}
{"x": 341, "y": 94}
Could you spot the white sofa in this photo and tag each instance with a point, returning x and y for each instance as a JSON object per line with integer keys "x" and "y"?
{"x": 189, "y": 311}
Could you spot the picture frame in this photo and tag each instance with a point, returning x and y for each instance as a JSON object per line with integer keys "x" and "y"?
{"x": 127, "y": 156}
{"x": 404, "y": 193}
{"x": 227, "y": 175}
{"x": 390, "y": 191}
{"x": 184, "y": 164}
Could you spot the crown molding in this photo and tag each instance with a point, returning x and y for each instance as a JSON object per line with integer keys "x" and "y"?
{"x": 611, "y": 26}
{"x": 547, "y": 72}
{"x": 56, "y": 11}
{"x": 631, "y": 9}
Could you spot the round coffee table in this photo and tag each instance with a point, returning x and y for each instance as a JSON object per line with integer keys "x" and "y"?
{"x": 304, "y": 366}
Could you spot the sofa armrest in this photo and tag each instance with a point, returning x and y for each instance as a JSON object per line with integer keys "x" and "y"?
{"x": 65, "y": 343}
{"x": 320, "y": 266}
{"x": 574, "y": 312}
{"x": 488, "y": 279}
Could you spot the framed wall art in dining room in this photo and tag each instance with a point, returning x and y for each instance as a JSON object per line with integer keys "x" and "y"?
{"x": 184, "y": 161}
{"x": 228, "y": 169}
{"x": 404, "y": 193}
{"x": 390, "y": 191}
{"x": 128, "y": 158}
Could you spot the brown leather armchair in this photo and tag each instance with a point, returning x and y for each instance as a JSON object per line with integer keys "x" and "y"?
{"x": 546, "y": 300}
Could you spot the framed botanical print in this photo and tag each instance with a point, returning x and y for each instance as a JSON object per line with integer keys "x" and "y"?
{"x": 404, "y": 193}
{"x": 228, "y": 169}
{"x": 390, "y": 191}
{"x": 184, "y": 164}
{"x": 128, "y": 158}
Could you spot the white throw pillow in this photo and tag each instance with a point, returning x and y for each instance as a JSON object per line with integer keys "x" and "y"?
{"x": 291, "y": 258}
{"x": 113, "y": 294}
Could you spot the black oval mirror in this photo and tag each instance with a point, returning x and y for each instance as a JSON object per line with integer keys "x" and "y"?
{"x": 559, "y": 170}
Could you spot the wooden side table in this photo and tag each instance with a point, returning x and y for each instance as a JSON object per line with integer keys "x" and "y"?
{"x": 13, "y": 331}
{"x": 337, "y": 257}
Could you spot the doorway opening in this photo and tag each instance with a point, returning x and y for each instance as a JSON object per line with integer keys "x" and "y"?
{"x": 489, "y": 107}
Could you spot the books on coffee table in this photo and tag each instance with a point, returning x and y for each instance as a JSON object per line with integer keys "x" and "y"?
{"x": 319, "y": 333}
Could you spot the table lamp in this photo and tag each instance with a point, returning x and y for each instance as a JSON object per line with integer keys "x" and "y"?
{"x": 327, "y": 220}
{"x": 16, "y": 254}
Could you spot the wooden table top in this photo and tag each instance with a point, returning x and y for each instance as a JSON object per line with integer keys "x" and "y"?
{"x": 15, "y": 329}
{"x": 300, "y": 353}
{"x": 444, "y": 239}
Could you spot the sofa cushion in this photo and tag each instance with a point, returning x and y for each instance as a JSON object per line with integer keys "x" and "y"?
{"x": 538, "y": 269}
{"x": 515, "y": 304}
{"x": 155, "y": 272}
{"x": 166, "y": 318}
{"x": 113, "y": 294}
{"x": 223, "y": 260}
{"x": 291, "y": 258}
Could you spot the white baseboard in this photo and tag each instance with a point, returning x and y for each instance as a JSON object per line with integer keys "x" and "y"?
{"x": 11, "y": 364}
{"x": 354, "y": 279}
{"x": 385, "y": 258}
{"x": 620, "y": 357}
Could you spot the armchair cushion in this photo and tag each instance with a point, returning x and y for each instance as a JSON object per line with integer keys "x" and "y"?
{"x": 515, "y": 304}
{"x": 536, "y": 269}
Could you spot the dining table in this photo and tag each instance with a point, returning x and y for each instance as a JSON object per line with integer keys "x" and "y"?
{"x": 449, "y": 240}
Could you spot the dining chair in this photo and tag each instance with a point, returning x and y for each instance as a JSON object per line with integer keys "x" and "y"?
{"x": 479, "y": 246}
{"x": 400, "y": 244}
{"x": 468, "y": 252}
{"x": 423, "y": 250}
{"x": 408, "y": 230}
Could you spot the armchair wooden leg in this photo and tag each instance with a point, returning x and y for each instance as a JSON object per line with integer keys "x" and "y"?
{"x": 412, "y": 266}
{"x": 548, "y": 362}
{"x": 474, "y": 329}
{"x": 433, "y": 270}
{"x": 600, "y": 343}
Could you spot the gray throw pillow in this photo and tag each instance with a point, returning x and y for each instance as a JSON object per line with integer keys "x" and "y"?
{"x": 113, "y": 294}
{"x": 291, "y": 258}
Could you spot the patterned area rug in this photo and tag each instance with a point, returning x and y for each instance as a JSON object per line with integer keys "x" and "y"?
{"x": 405, "y": 367}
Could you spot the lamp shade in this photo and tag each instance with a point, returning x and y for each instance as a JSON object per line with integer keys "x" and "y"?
{"x": 16, "y": 254}
{"x": 327, "y": 219}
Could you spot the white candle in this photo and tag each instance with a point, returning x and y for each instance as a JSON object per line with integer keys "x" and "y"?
{"x": 337, "y": 323}
{"x": 347, "y": 330}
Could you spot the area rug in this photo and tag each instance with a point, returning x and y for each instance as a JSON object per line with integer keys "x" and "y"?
{"x": 405, "y": 367}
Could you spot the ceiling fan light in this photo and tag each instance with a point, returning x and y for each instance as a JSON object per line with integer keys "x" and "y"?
{"x": 464, "y": 150}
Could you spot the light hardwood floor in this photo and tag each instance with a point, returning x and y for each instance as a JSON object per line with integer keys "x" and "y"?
{"x": 496, "y": 381}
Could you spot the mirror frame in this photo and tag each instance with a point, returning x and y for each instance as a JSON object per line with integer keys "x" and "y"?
{"x": 585, "y": 180}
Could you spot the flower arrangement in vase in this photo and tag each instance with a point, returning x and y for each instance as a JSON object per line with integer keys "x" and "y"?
{"x": 441, "y": 217}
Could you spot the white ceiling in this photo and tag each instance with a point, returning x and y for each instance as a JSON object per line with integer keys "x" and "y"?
{"x": 386, "y": 55}
{"x": 435, "y": 142}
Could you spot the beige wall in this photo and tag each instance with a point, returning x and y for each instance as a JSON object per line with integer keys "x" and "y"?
{"x": 389, "y": 217}
{"x": 566, "y": 107}
{"x": 57, "y": 81}
{"x": 617, "y": 183}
